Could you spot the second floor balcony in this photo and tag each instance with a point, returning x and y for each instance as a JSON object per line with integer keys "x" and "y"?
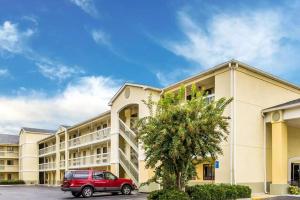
{"x": 47, "y": 166}
{"x": 9, "y": 168}
{"x": 9, "y": 154}
{"x": 89, "y": 161}
{"x": 90, "y": 138}
{"x": 47, "y": 150}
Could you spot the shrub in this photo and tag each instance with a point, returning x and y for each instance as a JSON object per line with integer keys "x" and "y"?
{"x": 168, "y": 195}
{"x": 294, "y": 190}
{"x": 218, "y": 192}
{"x": 11, "y": 182}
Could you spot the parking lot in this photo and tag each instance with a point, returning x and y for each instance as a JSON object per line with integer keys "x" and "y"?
{"x": 51, "y": 193}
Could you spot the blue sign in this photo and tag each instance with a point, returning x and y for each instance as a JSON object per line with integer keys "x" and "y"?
{"x": 217, "y": 164}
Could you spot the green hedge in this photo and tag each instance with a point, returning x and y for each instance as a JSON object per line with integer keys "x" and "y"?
{"x": 204, "y": 192}
{"x": 218, "y": 192}
{"x": 11, "y": 182}
{"x": 294, "y": 190}
{"x": 168, "y": 195}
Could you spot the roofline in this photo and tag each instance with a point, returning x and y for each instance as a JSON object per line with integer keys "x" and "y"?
{"x": 241, "y": 64}
{"x": 89, "y": 120}
{"x": 45, "y": 133}
{"x": 284, "y": 107}
{"x": 11, "y": 144}
{"x": 145, "y": 87}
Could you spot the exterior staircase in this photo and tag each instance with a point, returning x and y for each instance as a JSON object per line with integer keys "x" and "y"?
{"x": 129, "y": 163}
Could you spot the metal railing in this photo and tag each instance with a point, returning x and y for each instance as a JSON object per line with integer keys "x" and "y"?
{"x": 129, "y": 167}
{"x": 129, "y": 135}
{"x": 62, "y": 164}
{"x": 89, "y": 161}
{"x": 9, "y": 168}
{"x": 9, "y": 154}
{"x": 47, "y": 166}
{"x": 90, "y": 138}
{"x": 47, "y": 150}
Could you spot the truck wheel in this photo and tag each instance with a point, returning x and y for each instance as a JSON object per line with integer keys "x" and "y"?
{"x": 87, "y": 192}
{"x": 126, "y": 189}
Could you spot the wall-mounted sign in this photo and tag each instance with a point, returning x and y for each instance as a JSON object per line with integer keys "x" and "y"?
{"x": 217, "y": 164}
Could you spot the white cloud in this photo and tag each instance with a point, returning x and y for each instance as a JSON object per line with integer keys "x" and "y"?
{"x": 13, "y": 40}
{"x": 4, "y": 73}
{"x": 58, "y": 72}
{"x": 101, "y": 37}
{"x": 259, "y": 37}
{"x": 80, "y": 100}
{"x": 87, "y": 6}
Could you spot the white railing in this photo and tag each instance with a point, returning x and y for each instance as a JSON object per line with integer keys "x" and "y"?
{"x": 62, "y": 145}
{"x": 9, "y": 168}
{"x": 210, "y": 97}
{"x": 9, "y": 154}
{"x": 62, "y": 164}
{"x": 90, "y": 138}
{"x": 129, "y": 167}
{"x": 89, "y": 161}
{"x": 47, "y": 166}
{"x": 128, "y": 135}
{"x": 47, "y": 150}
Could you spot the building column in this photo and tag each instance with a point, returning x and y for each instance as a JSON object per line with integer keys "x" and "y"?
{"x": 279, "y": 158}
{"x": 114, "y": 139}
{"x": 66, "y": 150}
{"x": 57, "y": 159}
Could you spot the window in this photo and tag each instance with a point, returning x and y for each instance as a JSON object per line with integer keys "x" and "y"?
{"x": 98, "y": 150}
{"x": 81, "y": 175}
{"x": 10, "y": 162}
{"x": 109, "y": 176}
{"x": 208, "y": 172}
{"x": 9, "y": 176}
{"x": 98, "y": 175}
{"x": 104, "y": 125}
{"x": 104, "y": 150}
{"x": 98, "y": 128}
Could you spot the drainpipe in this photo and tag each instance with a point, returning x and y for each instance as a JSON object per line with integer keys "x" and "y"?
{"x": 232, "y": 67}
{"x": 265, "y": 152}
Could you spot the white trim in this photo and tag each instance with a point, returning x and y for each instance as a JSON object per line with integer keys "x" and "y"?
{"x": 281, "y": 107}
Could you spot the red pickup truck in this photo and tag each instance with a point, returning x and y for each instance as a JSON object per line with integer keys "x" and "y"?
{"x": 86, "y": 182}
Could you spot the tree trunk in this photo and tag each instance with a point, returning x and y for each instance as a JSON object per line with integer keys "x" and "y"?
{"x": 178, "y": 181}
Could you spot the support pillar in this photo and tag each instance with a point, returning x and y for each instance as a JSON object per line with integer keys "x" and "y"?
{"x": 57, "y": 160}
{"x": 279, "y": 159}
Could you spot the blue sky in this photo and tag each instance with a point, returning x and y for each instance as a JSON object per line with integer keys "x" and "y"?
{"x": 61, "y": 55}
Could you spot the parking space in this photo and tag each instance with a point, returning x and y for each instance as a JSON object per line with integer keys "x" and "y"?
{"x": 52, "y": 193}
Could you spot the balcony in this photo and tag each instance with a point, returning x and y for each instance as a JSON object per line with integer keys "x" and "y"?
{"x": 47, "y": 150}
{"x": 9, "y": 154}
{"x": 89, "y": 161}
{"x": 62, "y": 146}
{"x": 9, "y": 168}
{"x": 62, "y": 164}
{"x": 91, "y": 138}
{"x": 47, "y": 166}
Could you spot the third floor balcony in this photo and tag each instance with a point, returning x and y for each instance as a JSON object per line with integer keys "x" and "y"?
{"x": 90, "y": 138}
{"x": 47, "y": 150}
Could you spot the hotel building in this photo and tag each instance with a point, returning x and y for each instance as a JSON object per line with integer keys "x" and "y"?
{"x": 262, "y": 150}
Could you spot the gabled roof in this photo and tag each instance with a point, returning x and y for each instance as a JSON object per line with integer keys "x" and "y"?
{"x": 89, "y": 120}
{"x": 145, "y": 87}
{"x": 286, "y": 105}
{"x": 9, "y": 139}
{"x": 37, "y": 130}
{"x": 240, "y": 64}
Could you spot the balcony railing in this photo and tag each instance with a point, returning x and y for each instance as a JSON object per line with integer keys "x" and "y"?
{"x": 210, "y": 97}
{"x": 47, "y": 150}
{"x": 9, "y": 168}
{"x": 129, "y": 167}
{"x": 9, "y": 154}
{"x": 94, "y": 137}
{"x": 62, "y": 164}
{"x": 47, "y": 166}
{"x": 128, "y": 135}
{"x": 62, "y": 145}
{"x": 89, "y": 161}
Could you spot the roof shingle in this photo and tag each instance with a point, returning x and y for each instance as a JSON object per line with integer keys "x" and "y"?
{"x": 9, "y": 139}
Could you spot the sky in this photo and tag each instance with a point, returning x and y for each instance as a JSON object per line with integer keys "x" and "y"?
{"x": 62, "y": 60}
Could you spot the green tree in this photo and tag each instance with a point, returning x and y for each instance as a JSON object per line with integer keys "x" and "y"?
{"x": 179, "y": 134}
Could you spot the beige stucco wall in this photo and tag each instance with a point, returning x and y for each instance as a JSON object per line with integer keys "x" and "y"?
{"x": 29, "y": 156}
{"x": 253, "y": 94}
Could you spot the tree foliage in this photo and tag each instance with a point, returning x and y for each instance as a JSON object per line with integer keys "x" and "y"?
{"x": 179, "y": 134}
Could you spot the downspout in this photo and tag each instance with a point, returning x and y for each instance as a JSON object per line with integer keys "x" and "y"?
{"x": 232, "y": 67}
{"x": 265, "y": 152}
